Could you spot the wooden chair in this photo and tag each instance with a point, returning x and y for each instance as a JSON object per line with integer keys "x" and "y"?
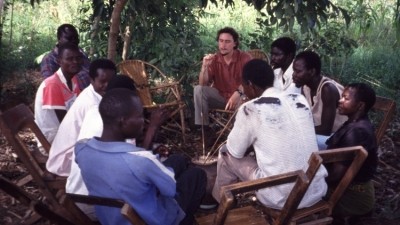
{"x": 387, "y": 108}
{"x": 126, "y": 210}
{"x": 238, "y": 216}
{"x": 319, "y": 213}
{"x": 323, "y": 209}
{"x": 36, "y": 205}
{"x": 259, "y": 54}
{"x": 250, "y": 214}
{"x": 20, "y": 120}
{"x": 155, "y": 89}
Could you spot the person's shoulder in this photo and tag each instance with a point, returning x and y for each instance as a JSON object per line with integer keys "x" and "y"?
{"x": 52, "y": 80}
{"x": 80, "y": 144}
{"x": 330, "y": 87}
{"x": 244, "y": 54}
{"x": 51, "y": 54}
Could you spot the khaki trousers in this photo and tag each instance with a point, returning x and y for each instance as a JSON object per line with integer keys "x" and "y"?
{"x": 206, "y": 97}
{"x": 232, "y": 170}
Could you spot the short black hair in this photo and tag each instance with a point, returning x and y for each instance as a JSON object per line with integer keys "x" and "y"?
{"x": 286, "y": 44}
{"x": 62, "y": 28}
{"x": 101, "y": 64}
{"x": 65, "y": 46}
{"x": 259, "y": 73}
{"x": 311, "y": 60}
{"x": 121, "y": 81}
{"x": 115, "y": 104}
{"x": 364, "y": 93}
{"x": 232, "y": 32}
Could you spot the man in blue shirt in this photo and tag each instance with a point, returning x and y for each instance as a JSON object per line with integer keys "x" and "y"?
{"x": 166, "y": 193}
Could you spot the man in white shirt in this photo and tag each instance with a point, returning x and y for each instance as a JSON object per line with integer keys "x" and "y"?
{"x": 101, "y": 71}
{"x": 283, "y": 51}
{"x": 279, "y": 126}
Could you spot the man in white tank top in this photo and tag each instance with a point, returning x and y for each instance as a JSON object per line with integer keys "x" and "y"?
{"x": 322, "y": 94}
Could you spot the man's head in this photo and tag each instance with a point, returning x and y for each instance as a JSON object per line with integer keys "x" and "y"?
{"x": 257, "y": 76}
{"x": 122, "y": 112}
{"x": 67, "y": 33}
{"x": 101, "y": 71}
{"x": 122, "y": 81}
{"x": 69, "y": 59}
{"x": 228, "y": 40}
{"x": 306, "y": 66}
{"x": 283, "y": 51}
{"x": 356, "y": 97}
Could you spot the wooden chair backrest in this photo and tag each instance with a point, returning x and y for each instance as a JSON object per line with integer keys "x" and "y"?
{"x": 259, "y": 54}
{"x": 355, "y": 154}
{"x": 20, "y": 119}
{"x": 137, "y": 71}
{"x": 126, "y": 210}
{"x": 388, "y": 107}
{"x": 230, "y": 191}
{"x": 23, "y": 197}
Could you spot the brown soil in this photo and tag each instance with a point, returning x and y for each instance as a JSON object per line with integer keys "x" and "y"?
{"x": 21, "y": 89}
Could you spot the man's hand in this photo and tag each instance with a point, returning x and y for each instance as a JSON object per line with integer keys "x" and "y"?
{"x": 159, "y": 116}
{"x": 207, "y": 60}
{"x": 233, "y": 101}
{"x": 203, "y": 76}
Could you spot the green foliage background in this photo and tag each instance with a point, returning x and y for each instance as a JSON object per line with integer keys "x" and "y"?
{"x": 175, "y": 35}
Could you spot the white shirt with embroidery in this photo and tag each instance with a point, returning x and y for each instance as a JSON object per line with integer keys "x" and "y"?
{"x": 280, "y": 127}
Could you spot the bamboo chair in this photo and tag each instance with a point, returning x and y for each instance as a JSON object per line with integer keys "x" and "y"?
{"x": 322, "y": 211}
{"x": 36, "y": 205}
{"x": 126, "y": 210}
{"x": 387, "y": 107}
{"x": 15, "y": 122}
{"x": 259, "y": 54}
{"x": 155, "y": 89}
{"x": 241, "y": 215}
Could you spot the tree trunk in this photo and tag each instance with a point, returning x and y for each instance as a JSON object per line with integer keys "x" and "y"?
{"x": 95, "y": 31}
{"x": 127, "y": 40}
{"x": 114, "y": 29}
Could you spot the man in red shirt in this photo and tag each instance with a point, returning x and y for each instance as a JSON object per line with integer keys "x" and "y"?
{"x": 220, "y": 77}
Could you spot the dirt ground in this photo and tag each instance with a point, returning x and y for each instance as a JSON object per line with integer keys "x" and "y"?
{"x": 387, "y": 208}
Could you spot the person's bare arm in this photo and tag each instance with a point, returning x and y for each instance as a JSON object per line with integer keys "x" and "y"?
{"x": 234, "y": 100}
{"x": 60, "y": 114}
{"x": 156, "y": 119}
{"x": 336, "y": 172}
{"x": 330, "y": 97}
{"x": 203, "y": 76}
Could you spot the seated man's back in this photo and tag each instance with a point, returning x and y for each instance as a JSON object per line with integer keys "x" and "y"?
{"x": 280, "y": 128}
{"x": 132, "y": 174}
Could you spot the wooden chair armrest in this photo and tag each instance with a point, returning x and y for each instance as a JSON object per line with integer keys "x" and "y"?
{"x": 95, "y": 200}
{"x": 343, "y": 154}
{"x": 265, "y": 182}
{"x": 15, "y": 191}
{"x": 164, "y": 85}
{"x": 130, "y": 214}
{"x": 228, "y": 192}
